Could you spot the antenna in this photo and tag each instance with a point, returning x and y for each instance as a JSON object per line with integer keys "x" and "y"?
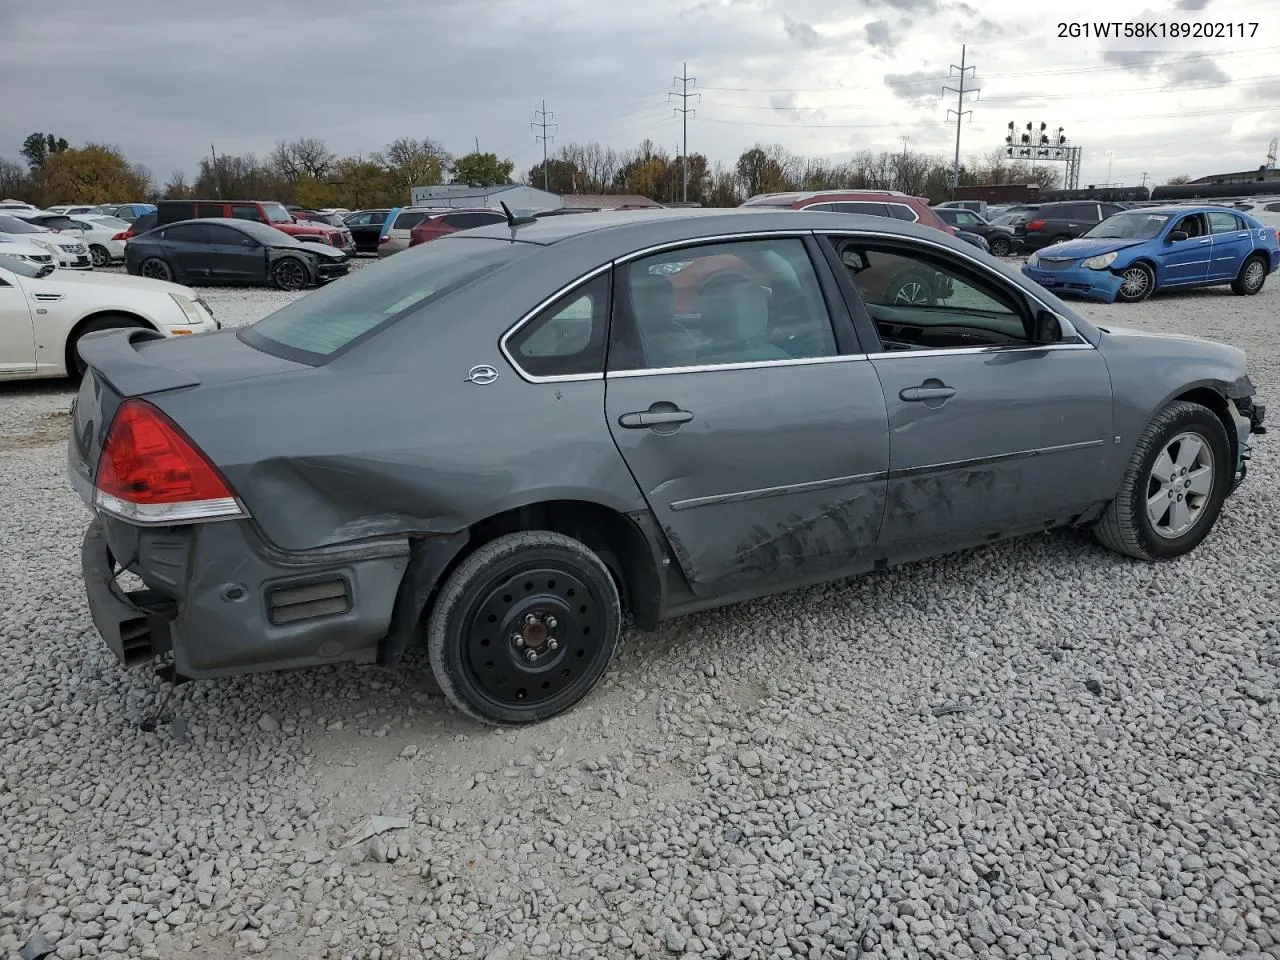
{"x": 513, "y": 221}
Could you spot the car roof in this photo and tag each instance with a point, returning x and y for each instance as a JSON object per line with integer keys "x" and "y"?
{"x": 620, "y": 232}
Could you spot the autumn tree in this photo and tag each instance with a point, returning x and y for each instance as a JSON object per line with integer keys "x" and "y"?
{"x": 94, "y": 173}
{"x": 561, "y": 176}
{"x": 414, "y": 163}
{"x": 1177, "y": 180}
{"x": 364, "y": 183}
{"x": 763, "y": 169}
{"x": 38, "y": 147}
{"x": 483, "y": 168}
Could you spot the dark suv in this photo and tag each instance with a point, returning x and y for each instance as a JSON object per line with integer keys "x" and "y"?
{"x": 1042, "y": 224}
{"x": 999, "y": 237}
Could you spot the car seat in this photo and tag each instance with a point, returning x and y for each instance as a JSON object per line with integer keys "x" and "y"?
{"x": 735, "y": 317}
{"x": 662, "y": 339}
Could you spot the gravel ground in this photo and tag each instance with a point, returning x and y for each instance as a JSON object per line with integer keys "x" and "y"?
{"x": 1037, "y": 749}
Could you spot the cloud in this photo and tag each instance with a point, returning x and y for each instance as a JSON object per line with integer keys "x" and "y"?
{"x": 801, "y": 32}
{"x": 1200, "y": 72}
{"x": 907, "y": 6}
{"x": 880, "y": 36}
{"x": 1191, "y": 4}
{"x": 917, "y": 86}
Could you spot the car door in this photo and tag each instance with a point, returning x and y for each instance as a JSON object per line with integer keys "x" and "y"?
{"x": 990, "y": 433}
{"x": 186, "y": 247}
{"x": 1231, "y": 243}
{"x": 968, "y": 220}
{"x": 749, "y": 417}
{"x": 1184, "y": 261}
{"x": 17, "y": 329}
{"x": 231, "y": 255}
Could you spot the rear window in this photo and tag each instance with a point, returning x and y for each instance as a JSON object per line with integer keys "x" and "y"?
{"x": 407, "y": 221}
{"x": 314, "y": 328}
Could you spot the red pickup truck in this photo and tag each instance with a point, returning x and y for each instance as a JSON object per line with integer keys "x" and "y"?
{"x": 262, "y": 211}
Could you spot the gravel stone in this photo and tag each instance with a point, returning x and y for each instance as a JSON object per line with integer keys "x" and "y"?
{"x": 790, "y": 798}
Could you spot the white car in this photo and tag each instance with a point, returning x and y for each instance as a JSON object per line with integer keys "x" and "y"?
{"x": 104, "y": 236}
{"x": 72, "y": 252}
{"x": 17, "y": 206}
{"x": 45, "y": 311}
{"x": 69, "y": 209}
{"x": 20, "y": 249}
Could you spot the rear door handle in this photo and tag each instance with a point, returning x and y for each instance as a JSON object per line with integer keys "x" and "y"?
{"x": 918, "y": 394}
{"x": 1207, "y": 240}
{"x": 653, "y": 418}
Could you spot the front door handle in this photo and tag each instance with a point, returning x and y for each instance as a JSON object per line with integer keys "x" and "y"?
{"x": 653, "y": 418}
{"x": 1207, "y": 240}
{"x": 920, "y": 394}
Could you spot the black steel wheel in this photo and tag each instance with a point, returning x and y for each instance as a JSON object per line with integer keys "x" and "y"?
{"x": 153, "y": 268}
{"x": 290, "y": 274}
{"x": 524, "y": 628}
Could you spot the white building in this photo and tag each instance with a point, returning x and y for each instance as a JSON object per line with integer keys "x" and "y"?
{"x": 519, "y": 198}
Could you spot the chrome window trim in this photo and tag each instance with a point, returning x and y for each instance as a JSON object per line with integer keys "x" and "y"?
{"x": 504, "y": 347}
{"x": 1070, "y": 329}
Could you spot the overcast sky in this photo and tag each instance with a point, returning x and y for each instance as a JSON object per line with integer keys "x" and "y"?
{"x": 162, "y": 79}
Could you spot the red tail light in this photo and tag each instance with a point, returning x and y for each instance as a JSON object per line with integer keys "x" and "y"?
{"x": 384, "y": 239}
{"x": 1035, "y": 224}
{"x": 123, "y": 235}
{"x": 151, "y": 472}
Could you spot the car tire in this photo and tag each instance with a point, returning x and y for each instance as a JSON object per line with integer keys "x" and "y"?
{"x": 1252, "y": 275}
{"x": 1060, "y": 239}
{"x": 911, "y": 288}
{"x": 1000, "y": 247}
{"x": 153, "y": 268}
{"x": 1135, "y": 524}
{"x": 100, "y": 256}
{"x": 524, "y": 628}
{"x": 290, "y": 274}
{"x": 1138, "y": 281}
{"x": 75, "y": 365}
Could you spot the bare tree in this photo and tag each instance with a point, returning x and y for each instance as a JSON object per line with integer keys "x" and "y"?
{"x": 307, "y": 156}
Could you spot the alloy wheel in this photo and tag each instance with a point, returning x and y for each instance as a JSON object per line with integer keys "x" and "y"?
{"x": 1254, "y": 274}
{"x": 1179, "y": 485}
{"x": 291, "y": 276}
{"x": 912, "y": 292}
{"x": 1135, "y": 283}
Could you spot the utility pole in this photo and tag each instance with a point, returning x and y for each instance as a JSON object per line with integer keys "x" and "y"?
{"x": 1144, "y": 178}
{"x": 960, "y": 111}
{"x": 1109, "y": 154}
{"x": 542, "y": 122}
{"x": 684, "y": 110}
{"x": 217, "y": 175}
{"x": 905, "y": 138}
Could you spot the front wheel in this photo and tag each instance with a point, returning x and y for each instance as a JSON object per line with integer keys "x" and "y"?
{"x": 1252, "y": 275}
{"x": 290, "y": 274}
{"x": 153, "y": 268}
{"x": 1136, "y": 283}
{"x": 524, "y": 628}
{"x": 1000, "y": 247}
{"x": 1174, "y": 486}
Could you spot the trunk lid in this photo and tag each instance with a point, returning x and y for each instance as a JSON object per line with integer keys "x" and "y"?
{"x": 141, "y": 363}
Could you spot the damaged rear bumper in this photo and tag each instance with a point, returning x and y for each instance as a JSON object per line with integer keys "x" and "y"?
{"x": 223, "y": 602}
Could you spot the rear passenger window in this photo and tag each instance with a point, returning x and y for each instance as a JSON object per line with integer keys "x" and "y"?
{"x": 407, "y": 221}
{"x": 247, "y": 213}
{"x": 853, "y": 206}
{"x": 567, "y": 338}
{"x": 900, "y": 211}
{"x": 205, "y": 210}
{"x": 1224, "y": 222}
{"x": 746, "y": 302}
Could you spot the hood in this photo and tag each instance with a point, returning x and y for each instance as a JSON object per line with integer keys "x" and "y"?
{"x": 1085, "y": 247}
{"x": 116, "y": 280}
{"x": 12, "y": 243}
{"x": 323, "y": 249}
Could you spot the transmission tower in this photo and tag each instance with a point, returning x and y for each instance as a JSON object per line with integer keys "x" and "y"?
{"x": 685, "y": 110}
{"x": 959, "y": 111}
{"x": 543, "y": 123}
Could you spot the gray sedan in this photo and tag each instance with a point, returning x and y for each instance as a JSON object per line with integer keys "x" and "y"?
{"x": 501, "y": 441}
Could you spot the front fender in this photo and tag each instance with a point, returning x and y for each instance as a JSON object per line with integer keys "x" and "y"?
{"x": 276, "y": 254}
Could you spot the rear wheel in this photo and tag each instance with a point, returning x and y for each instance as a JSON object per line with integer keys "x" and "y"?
{"x": 1137, "y": 283}
{"x": 75, "y": 365}
{"x": 911, "y": 288}
{"x": 153, "y": 268}
{"x": 290, "y": 274}
{"x": 1174, "y": 486}
{"x": 100, "y": 256}
{"x": 1252, "y": 275}
{"x": 524, "y": 628}
{"x": 999, "y": 247}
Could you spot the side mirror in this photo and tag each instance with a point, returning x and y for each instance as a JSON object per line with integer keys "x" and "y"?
{"x": 1046, "y": 328}
{"x": 1176, "y": 235}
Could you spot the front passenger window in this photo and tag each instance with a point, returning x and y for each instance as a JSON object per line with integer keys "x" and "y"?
{"x": 919, "y": 300}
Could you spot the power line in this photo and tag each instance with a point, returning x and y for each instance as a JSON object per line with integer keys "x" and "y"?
{"x": 960, "y": 112}
{"x": 542, "y": 122}
{"x": 684, "y": 110}
{"x": 1068, "y": 71}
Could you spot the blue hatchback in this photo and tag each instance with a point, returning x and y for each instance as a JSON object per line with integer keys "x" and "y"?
{"x": 1130, "y": 255}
